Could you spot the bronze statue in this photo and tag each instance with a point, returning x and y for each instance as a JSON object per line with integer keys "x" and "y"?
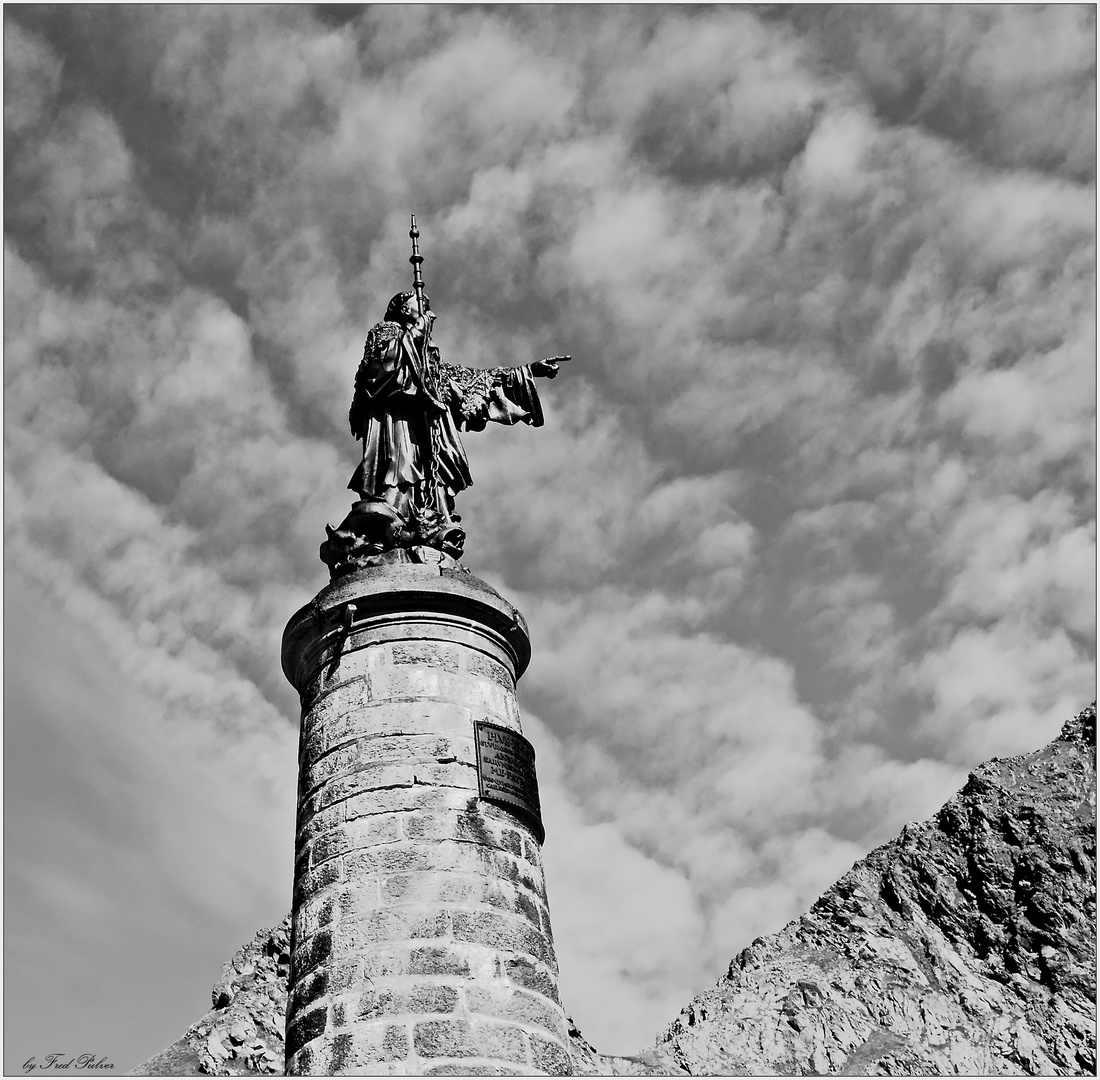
{"x": 408, "y": 409}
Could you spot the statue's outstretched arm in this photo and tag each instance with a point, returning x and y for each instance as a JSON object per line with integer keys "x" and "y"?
{"x": 478, "y": 396}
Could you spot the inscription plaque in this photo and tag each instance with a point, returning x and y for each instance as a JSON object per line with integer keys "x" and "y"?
{"x": 506, "y": 773}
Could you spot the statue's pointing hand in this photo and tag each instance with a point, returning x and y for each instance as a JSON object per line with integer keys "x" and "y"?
{"x": 547, "y": 368}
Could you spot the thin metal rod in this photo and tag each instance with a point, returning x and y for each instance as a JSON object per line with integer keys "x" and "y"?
{"x": 416, "y": 259}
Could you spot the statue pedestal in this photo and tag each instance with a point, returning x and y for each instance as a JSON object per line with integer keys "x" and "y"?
{"x": 421, "y": 937}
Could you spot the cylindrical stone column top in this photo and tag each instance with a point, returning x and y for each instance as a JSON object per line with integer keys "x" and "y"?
{"x": 346, "y": 614}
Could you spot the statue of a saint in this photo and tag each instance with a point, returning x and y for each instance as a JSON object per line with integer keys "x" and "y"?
{"x": 408, "y": 409}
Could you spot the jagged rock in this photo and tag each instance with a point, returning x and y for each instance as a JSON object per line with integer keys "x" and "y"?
{"x": 965, "y": 946}
{"x": 243, "y": 1034}
{"x": 587, "y": 1061}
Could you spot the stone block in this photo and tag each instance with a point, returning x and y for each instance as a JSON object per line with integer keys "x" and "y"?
{"x": 376, "y": 829}
{"x": 529, "y": 909}
{"x": 431, "y": 998}
{"x": 301, "y": 864}
{"x": 378, "y": 1001}
{"x": 511, "y": 840}
{"x": 462, "y": 857}
{"x": 389, "y": 859}
{"x": 503, "y": 932}
{"x": 514, "y": 899}
{"x": 356, "y": 665}
{"x": 309, "y": 990}
{"x": 438, "y": 960}
{"x": 313, "y": 824}
{"x": 483, "y": 694}
{"x": 417, "y": 797}
{"x": 518, "y": 1006}
{"x": 500, "y": 864}
{"x": 367, "y": 778}
{"x": 363, "y": 749}
{"x": 367, "y": 1044}
{"x": 390, "y": 924}
{"x": 532, "y": 853}
{"x": 357, "y": 899}
{"x": 407, "y": 717}
{"x": 308, "y": 804}
{"x": 341, "y": 1012}
{"x": 431, "y": 887}
{"x": 498, "y": 1040}
{"x": 311, "y": 742}
{"x": 376, "y": 747}
{"x": 445, "y": 1038}
{"x": 388, "y": 960}
{"x": 533, "y": 881}
{"x": 422, "y": 682}
{"x": 445, "y": 655}
{"x": 486, "y": 667}
{"x": 328, "y": 766}
{"x": 501, "y": 702}
{"x": 443, "y": 856}
{"x": 363, "y": 834}
{"x": 347, "y": 975}
{"x": 354, "y": 662}
{"x": 455, "y": 774}
{"x": 310, "y": 953}
{"x": 534, "y": 976}
{"x": 302, "y": 1063}
{"x": 550, "y": 1056}
{"x": 506, "y": 868}
{"x": 305, "y": 1028}
{"x": 342, "y": 699}
{"x": 313, "y": 914}
{"x": 529, "y": 849}
{"x": 353, "y": 836}
{"x": 460, "y": 748}
{"x": 330, "y": 845}
{"x": 313, "y": 881}
{"x": 409, "y": 684}
{"x": 460, "y": 826}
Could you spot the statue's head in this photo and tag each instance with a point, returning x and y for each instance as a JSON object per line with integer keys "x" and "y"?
{"x": 403, "y": 309}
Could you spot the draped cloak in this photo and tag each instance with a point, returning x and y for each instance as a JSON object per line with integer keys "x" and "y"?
{"x": 408, "y": 407}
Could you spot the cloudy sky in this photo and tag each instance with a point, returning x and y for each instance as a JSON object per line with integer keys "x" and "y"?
{"x": 809, "y": 531}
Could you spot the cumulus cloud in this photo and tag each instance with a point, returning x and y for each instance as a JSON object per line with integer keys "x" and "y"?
{"x": 1011, "y": 85}
{"x": 810, "y": 526}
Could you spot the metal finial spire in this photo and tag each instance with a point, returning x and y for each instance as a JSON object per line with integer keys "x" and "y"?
{"x": 416, "y": 259}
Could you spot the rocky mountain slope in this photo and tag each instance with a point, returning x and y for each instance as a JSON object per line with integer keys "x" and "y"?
{"x": 242, "y": 1035}
{"x": 965, "y": 946}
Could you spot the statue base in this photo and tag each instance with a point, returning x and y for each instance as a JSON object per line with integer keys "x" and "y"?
{"x": 375, "y": 534}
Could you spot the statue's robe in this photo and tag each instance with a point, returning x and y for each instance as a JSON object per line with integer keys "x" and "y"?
{"x": 408, "y": 409}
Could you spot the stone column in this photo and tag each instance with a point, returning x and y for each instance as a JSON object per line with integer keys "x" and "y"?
{"x": 421, "y": 939}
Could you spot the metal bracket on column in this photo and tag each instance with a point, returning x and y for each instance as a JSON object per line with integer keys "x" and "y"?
{"x": 345, "y": 629}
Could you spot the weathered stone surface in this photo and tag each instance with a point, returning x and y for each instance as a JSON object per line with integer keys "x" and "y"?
{"x": 588, "y": 1061}
{"x": 243, "y": 1034}
{"x": 966, "y": 945}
